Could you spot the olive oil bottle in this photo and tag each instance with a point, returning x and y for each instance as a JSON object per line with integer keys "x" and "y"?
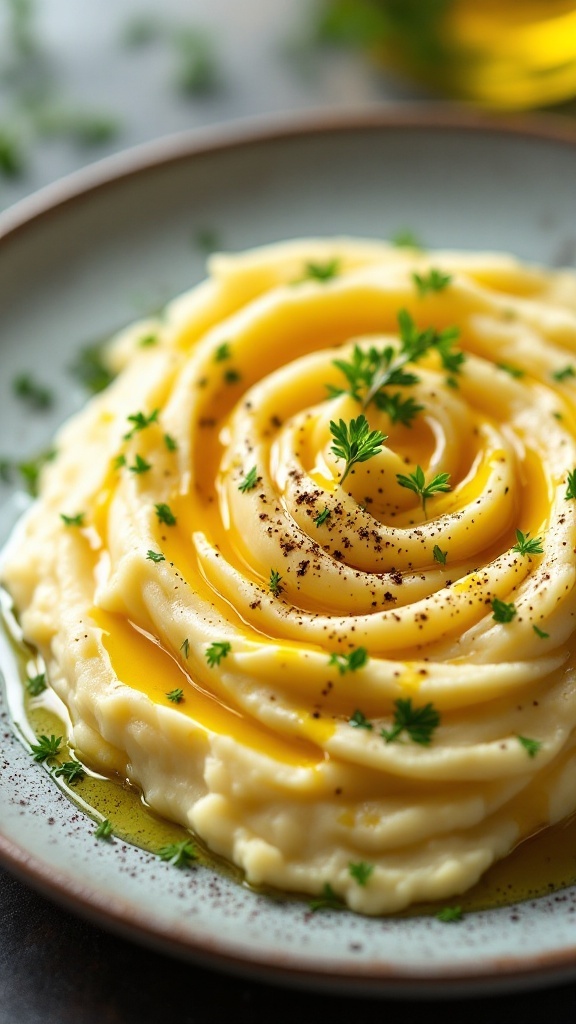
{"x": 503, "y": 54}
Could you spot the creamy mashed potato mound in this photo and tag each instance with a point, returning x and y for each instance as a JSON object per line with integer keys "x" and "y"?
{"x": 377, "y": 684}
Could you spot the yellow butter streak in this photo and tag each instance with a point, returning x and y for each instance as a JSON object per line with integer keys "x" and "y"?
{"x": 142, "y": 664}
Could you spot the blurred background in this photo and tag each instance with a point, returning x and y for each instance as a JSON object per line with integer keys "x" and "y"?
{"x": 80, "y": 79}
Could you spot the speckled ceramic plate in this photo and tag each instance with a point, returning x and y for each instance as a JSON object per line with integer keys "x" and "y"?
{"x": 85, "y": 257}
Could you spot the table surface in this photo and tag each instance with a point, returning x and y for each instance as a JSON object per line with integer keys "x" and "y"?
{"x": 54, "y": 967}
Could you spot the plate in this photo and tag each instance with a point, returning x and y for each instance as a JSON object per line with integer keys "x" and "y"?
{"x": 84, "y": 257}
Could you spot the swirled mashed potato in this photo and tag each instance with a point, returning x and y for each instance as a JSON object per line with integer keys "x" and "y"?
{"x": 347, "y": 677}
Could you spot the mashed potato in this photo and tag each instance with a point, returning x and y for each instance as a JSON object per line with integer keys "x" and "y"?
{"x": 305, "y": 573}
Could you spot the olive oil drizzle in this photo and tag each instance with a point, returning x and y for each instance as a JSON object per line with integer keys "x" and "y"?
{"x": 539, "y": 866}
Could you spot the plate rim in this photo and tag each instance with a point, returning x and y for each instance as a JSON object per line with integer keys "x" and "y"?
{"x": 502, "y": 973}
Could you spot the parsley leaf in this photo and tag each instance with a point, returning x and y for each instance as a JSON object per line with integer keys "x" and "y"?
{"x": 47, "y": 747}
{"x": 77, "y": 520}
{"x": 530, "y": 746}
{"x": 36, "y": 395}
{"x": 176, "y": 696}
{"x": 72, "y": 771}
{"x": 571, "y": 486}
{"x": 513, "y": 371}
{"x": 140, "y": 421}
{"x": 439, "y": 555}
{"x": 419, "y": 723}
{"x": 140, "y": 465}
{"x": 185, "y": 647}
{"x": 359, "y": 721}
{"x": 361, "y": 872}
{"x": 355, "y": 442}
{"x": 416, "y": 482}
{"x": 155, "y": 556}
{"x": 450, "y": 915}
{"x": 104, "y": 829}
{"x": 222, "y": 352}
{"x": 170, "y": 443}
{"x": 526, "y": 545}
{"x": 165, "y": 514}
{"x": 322, "y": 516}
{"x": 540, "y": 632}
{"x": 181, "y": 855}
{"x": 503, "y": 612}
{"x": 357, "y": 658}
{"x": 217, "y": 650}
{"x": 564, "y": 373}
{"x": 274, "y": 583}
{"x": 250, "y": 481}
{"x": 322, "y": 271}
{"x": 435, "y": 282}
{"x": 91, "y": 370}
{"x": 36, "y": 685}
{"x": 328, "y": 900}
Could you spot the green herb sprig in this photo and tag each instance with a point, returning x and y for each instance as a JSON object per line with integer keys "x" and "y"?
{"x": 418, "y": 723}
{"x": 355, "y": 442}
{"x": 351, "y": 662}
{"x": 416, "y": 482}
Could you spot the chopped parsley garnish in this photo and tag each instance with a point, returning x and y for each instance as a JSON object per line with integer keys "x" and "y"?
{"x": 198, "y": 69}
{"x": 176, "y": 696}
{"x": 165, "y": 514}
{"x": 540, "y": 632}
{"x": 406, "y": 239}
{"x": 350, "y": 662}
{"x": 148, "y": 341}
{"x": 104, "y": 829}
{"x": 35, "y": 685}
{"x": 119, "y": 461}
{"x": 71, "y": 771}
{"x": 328, "y": 900}
{"x": 513, "y": 371}
{"x": 47, "y": 747}
{"x": 450, "y": 915}
{"x": 419, "y": 723}
{"x": 181, "y": 855}
{"x": 361, "y": 872}
{"x": 77, "y": 520}
{"x": 207, "y": 240}
{"x": 322, "y": 516}
{"x": 439, "y": 555}
{"x": 222, "y": 352}
{"x": 91, "y": 370}
{"x": 36, "y": 395}
{"x": 274, "y": 583}
{"x": 564, "y": 373}
{"x": 530, "y": 746}
{"x": 527, "y": 545}
{"x": 185, "y": 647}
{"x": 355, "y": 442}
{"x": 232, "y": 376}
{"x": 370, "y": 371}
{"x": 140, "y": 421}
{"x": 140, "y": 465}
{"x": 217, "y": 650}
{"x": 29, "y": 470}
{"x": 399, "y": 409}
{"x": 416, "y": 482}
{"x": 436, "y": 281}
{"x": 155, "y": 556}
{"x": 250, "y": 481}
{"x": 322, "y": 271}
{"x": 503, "y": 612}
{"x": 170, "y": 443}
{"x": 571, "y": 485}
{"x": 359, "y": 721}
